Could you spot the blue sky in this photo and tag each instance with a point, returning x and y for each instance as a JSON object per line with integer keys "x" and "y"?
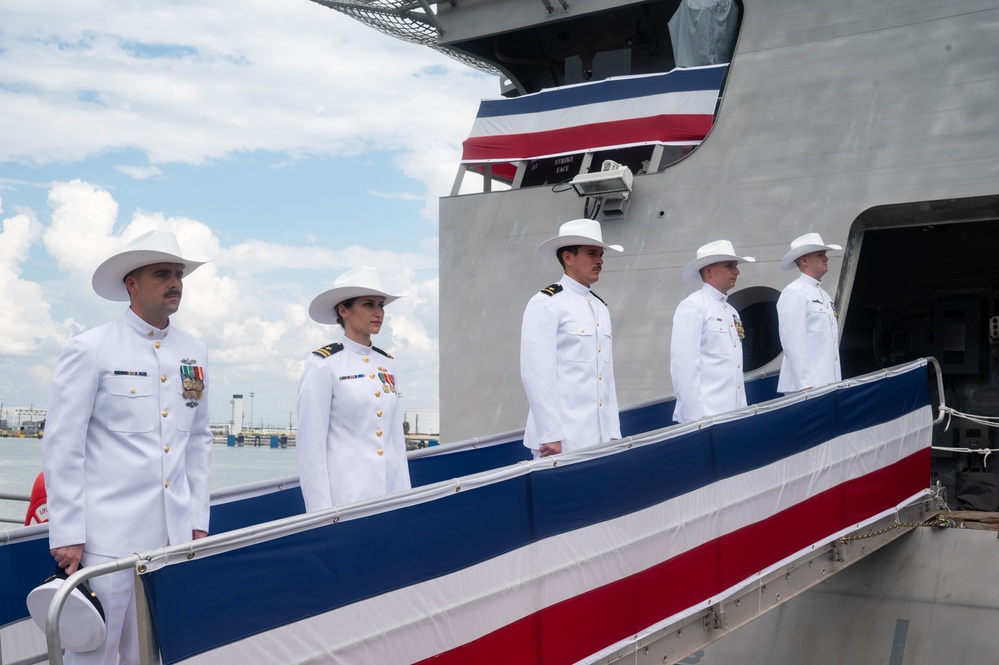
{"x": 284, "y": 141}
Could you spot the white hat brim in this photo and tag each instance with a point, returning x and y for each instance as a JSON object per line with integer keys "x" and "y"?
{"x": 788, "y": 261}
{"x": 691, "y": 273}
{"x": 323, "y": 307}
{"x": 548, "y": 248}
{"x": 109, "y": 278}
{"x": 81, "y": 627}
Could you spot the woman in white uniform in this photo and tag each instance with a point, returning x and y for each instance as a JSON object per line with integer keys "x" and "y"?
{"x": 350, "y": 440}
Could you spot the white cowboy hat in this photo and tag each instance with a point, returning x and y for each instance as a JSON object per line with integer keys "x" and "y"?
{"x": 713, "y": 252}
{"x": 81, "y": 626}
{"x": 576, "y": 232}
{"x": 360, "y": 281}
{"x": 147, "y": 249}
{"x": 806, "y": 244}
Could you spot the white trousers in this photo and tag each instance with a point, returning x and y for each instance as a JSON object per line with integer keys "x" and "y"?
{"x": 117, "y": 595}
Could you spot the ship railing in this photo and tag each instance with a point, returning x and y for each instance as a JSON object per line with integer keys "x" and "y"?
{"x": 7, "y": 496}
{"x": 941, "y": 399}
{"x": 725, "y": 436}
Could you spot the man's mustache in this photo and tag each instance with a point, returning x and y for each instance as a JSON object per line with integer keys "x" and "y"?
{"x": 172, "y": 292}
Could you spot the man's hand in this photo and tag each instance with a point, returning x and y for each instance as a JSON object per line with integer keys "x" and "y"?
{"x": 198, "y": 533}
{"x": 553, "y": 448}
{"x": 68, "y": 557}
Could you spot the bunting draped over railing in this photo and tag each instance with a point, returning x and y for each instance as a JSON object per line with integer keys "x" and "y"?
{"x": 614, "y": 541}
{"x": 675, "y": 108}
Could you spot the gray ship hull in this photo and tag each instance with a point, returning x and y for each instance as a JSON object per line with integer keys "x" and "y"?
{"x": 921, "y": 600}
{"x": 845, "y": 118}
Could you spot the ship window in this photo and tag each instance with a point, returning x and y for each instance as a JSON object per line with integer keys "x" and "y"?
{"x": 601, "y": 82}
{"x": 757, "y": 307}
{"x": 554, "y": 170}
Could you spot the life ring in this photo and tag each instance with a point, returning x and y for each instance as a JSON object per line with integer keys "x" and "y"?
{"x": 38, "y": 511}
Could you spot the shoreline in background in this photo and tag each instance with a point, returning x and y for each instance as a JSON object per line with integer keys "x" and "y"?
{"x": 21, "y": 462}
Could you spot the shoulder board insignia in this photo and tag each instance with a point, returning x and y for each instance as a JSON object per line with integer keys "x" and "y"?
{"x": 329, "y": 350}
{"x": 597, "y": 297}
{"x": 552, "y": 290}
{"x": 375, "y": 348}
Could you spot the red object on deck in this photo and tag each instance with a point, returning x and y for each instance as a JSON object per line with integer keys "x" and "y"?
{"x": 38, "y": 508}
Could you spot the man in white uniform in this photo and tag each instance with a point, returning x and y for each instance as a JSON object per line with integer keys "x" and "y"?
{"x": 809, "y": 330}
{"x": 127, "y": 447}
{"x": 706, "y": 345}
{"x": 566, "y": 356}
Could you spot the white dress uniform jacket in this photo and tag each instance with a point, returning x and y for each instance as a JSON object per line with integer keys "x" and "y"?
{"x": 706, "y": 356}
{"x": 350, "y": 441}
{"x": 567, "y": 367}
{"x": 809, "y": 333}
{"x": 126, "y": 454}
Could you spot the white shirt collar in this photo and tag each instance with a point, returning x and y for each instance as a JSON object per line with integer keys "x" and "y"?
{"x": 573, "y": 285}
{"x": 714, "y": 293}
{"x": 351, "y": 345}
{"x": 144, "y": 328}
{"x": 810, "y": 280}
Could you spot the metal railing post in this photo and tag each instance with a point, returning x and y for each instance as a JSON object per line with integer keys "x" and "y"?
{"x": 940, "y": 389}
{"x": 54, "y": 613}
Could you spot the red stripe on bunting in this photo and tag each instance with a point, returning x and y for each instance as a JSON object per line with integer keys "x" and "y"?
{"x": 585, "y": 624}
{"x": 660, "y": 128}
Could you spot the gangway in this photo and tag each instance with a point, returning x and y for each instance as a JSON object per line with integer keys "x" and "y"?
{"x": 648, "y": 547}
{"x": 679, "y": 640}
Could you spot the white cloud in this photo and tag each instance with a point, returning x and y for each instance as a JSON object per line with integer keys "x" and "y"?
{"x": 139, "y": 172}
{"x": 252, "y": 317}
{"x": 83, "y": 219}
{"x": 256, "y": 256}
{"x": 26, "y": 326}
{"x": 189, "y": 82}
{"x": 400, "y": 196}
{"x": 183, "y": 82}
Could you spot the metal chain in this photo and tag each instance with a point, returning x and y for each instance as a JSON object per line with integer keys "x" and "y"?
{"x": 938, "y": 522}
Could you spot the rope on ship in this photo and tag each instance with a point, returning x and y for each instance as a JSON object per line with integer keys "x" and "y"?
{"x": 985, "y": 421}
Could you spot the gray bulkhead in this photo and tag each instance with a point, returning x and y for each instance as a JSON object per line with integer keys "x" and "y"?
{"x": 851, "y": 118}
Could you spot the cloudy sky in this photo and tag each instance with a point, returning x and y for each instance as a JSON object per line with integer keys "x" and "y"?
{"x": 282, "y": 140}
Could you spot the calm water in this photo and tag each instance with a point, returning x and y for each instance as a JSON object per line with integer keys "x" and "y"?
{"x": 21, "y": 462}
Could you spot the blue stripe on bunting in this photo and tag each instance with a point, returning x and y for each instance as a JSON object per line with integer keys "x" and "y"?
{"x": 33, "y": 562}
{"x": 209, "y": 602}
{"x": 867, "y": 405}
{"x": 429, "y": 470}
{"x": 257, "y": 510}
{"x": 264, "y": 586}
{"x": 24, "y": 565}
{"x": 612, "y": 90}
